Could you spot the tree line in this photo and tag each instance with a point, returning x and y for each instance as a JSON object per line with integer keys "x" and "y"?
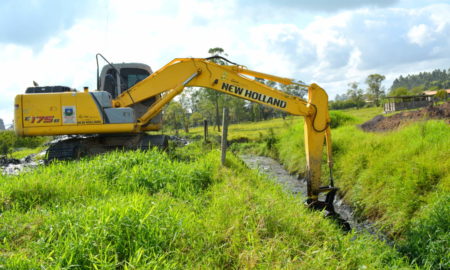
{"x": 411, "y": 85}
{"x": 417, "y": 83}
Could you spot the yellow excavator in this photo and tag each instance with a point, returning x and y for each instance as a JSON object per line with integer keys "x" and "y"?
{"x": 130, "y": 98}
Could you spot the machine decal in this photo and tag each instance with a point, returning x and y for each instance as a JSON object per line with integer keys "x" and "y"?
{"x": 69, "y": 115}
{"x": 41, "y": 119}
{"x": 253, "y": 95}
{"x": 87, "y": 120}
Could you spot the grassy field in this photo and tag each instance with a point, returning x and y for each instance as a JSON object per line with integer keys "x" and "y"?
{"x": 144, "y": 210}
{"x": 398, "y": 179}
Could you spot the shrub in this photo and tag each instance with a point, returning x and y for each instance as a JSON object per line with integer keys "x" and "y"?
{"x": 339, "y": 118}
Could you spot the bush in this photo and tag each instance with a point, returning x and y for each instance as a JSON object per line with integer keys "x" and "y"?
{"x": 442, "y": 95}
{"x": 339, "y": 119}
{"x": 7, "y": 141}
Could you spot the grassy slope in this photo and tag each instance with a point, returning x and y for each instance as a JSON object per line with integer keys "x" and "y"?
{"x": 136, "y": 210}
{"x": 399, "y": 179}
{"x": 24, "y": 152}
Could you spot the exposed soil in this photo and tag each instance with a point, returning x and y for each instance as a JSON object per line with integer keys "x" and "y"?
{"x": 380, "y": 123}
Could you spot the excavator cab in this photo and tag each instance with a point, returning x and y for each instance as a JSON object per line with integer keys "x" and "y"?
{"x": 117, "y": 78}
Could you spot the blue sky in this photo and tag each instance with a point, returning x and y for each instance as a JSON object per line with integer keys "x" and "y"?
{"x": 331, "y": 43}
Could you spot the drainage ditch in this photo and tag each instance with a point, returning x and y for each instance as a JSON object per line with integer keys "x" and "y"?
{"x": 291, "y": 183}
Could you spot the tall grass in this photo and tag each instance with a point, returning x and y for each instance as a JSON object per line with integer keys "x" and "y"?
{"x": 144, "y": 210}
{"x": 398, "y": 179}
{"x": 401, "y": 180}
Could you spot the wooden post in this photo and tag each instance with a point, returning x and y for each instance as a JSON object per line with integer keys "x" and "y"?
{"x": 205, "y": 130}
{"x": 224, "y": 135}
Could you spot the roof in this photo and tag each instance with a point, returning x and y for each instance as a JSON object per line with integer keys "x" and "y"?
{"x": 432, "y": 93}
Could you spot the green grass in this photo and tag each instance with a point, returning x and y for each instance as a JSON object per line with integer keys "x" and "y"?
{"x": 363, "y": 115}
{"x": 24, "y": 152}
{"x": 249, "y": 130}
{"x": 399, "y": 179}
{"x": 144, "y": 210}
{"x": 390, "y": 176}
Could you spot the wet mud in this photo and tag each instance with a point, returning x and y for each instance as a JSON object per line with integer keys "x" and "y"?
{"x": 297, "y": 186}
{"x": 15, "y": 166}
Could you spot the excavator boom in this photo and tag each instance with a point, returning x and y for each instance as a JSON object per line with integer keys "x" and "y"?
{"x": 233, "y": 80}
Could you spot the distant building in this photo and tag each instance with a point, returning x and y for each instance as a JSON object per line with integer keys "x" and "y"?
{"x": 2, "y": 125}
{"x": 410, "y": 102}
{"x": 399, "y": 103}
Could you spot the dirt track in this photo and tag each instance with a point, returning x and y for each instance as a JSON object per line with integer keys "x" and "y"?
{"x": 380, "y": 123}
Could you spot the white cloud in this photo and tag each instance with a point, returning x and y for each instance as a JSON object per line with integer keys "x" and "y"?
{"x": 331, "y": 50}
{"x": 419, "y": 34}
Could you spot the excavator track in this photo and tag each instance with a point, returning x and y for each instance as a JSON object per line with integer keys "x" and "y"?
{"x": 75, "y": 147}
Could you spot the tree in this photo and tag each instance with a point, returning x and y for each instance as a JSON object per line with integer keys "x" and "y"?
{"x": 7, "y": 142}
{"x": 374, "y": 91}
{"x": 417, "y": 90}
{"x": 175, "y": 116}
{"x": 295, "y": 89}
{"x": 355, "y": 94}
{"x": 442, "y": 95}
{"x": 196, "y": 119}
{"x": 212, "y": 94}
{"x": 341, "y": 97}
{"x": 437, "y": 79}
{"x": 400, "y": 91}
{"x": 185, "y": 104}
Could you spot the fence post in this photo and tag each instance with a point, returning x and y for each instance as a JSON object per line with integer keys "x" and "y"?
{"x": 224, "y": 135}
{"x": 205, "y": 130}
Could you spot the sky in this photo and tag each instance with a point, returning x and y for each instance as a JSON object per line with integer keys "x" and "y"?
{"x": 331, "y": 43}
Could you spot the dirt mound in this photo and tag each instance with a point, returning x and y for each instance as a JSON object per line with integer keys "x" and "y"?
{"x": 380, "y": 123}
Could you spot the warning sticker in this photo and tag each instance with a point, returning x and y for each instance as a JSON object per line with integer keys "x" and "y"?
{"x": 69, "y": 115}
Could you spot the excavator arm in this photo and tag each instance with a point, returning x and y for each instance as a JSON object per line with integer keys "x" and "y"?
{"x": 234, "y": 80}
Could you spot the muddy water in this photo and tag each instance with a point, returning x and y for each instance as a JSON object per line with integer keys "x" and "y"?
{"x": 17, "y": 166}
{"x": 292, "y": 184}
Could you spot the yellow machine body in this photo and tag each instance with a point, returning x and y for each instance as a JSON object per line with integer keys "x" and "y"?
{"x": 62, "y": 114}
